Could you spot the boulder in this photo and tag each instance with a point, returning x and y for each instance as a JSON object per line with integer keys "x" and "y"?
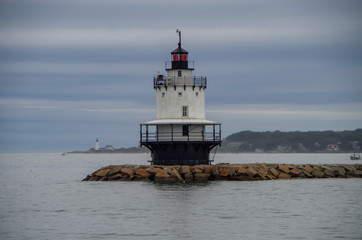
{"x": 289, "y": 166}
{"x": 118, "y": 176}
{"x": 134, "y": 167}
{"x": 215, "y": 171}
{"x": 164, "y": 177}
{"x": 202, "y": 176}
{"x": 251, "y": 172}
{"x": 157, "y": 170}
{"x": 339, "y": 171}
{"x": 184, "y": 169}
{"x": 197, "y": 169}
{"x": 177, "y": 175}
{"x": 143, "y": 173}
{"x": 262, "y": 174}
{"x": 308, "y": 168}
{"x": 358, "y": 172}
{"x": 283, "y": 175}
{"x": 354, "y": 173}
{"x": 349, "y": 168}
{"x": 232, "y": 171}
{"x": 317, "y": 168}
{"x": 306, "y": 173}
{"x": 283, "y": 168}
{"x": 224, "y": 173}
{"x": 92, "y": 178}
{"x": 87, "y": 178}
{"x": 128, "y": 172}
{"x": 274, "y": 172}
{"x": 263, "y": 165}
{"x": 102, "y": 172}
{"x": 317, "y": 174}
{"x": 168, "y": 169}
{"x": 255, "y": 166}
{"x": 295, "y": 172}
{"x": 241, "y": 178}
{"x": 189, "y": 177}
{"x": 114, "y": 170}
{"x": 242, "y": 171}
{"x": 208, "y": 169}
{"x": 270, "y": 177}
{"x": 329, "y": 173}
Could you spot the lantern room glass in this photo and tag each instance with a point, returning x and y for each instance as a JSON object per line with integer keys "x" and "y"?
{"x": 179, "y": 57}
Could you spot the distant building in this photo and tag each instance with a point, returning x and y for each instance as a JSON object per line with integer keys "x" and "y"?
{"x": 108, "y": 147}
{"x": 355, "y": 146}
{"x": 284, "y": 148}
{"x": 301, "y": 147}
{"x": 97, "y": 145}
{"x": 333, "y": 147}
{"x": 259, "y": 150}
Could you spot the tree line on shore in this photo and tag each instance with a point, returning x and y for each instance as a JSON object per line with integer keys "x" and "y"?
{"x": 277, "y": 141}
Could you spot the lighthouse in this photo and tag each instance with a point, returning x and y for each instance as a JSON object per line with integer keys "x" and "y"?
{"x": 97, "y": 145}
{"x": 180, "y": 134}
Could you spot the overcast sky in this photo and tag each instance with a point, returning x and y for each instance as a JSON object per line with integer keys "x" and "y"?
{"x": 72, "y": 71}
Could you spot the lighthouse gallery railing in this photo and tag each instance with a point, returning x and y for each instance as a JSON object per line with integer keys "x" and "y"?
{"x": 152, "y": 135}
{"x": 161, "y": 80}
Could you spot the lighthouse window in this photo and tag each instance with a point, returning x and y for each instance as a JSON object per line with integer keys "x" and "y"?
{"x": 175, "y": 57}
{"x": 163, "y": 94}
{"x": 185, "y": 111}
{"x": 179, "y": 73}
{"x": 197, "y": 94}
{"x": 183, "y": 57}
{"x": 179, "y": 94}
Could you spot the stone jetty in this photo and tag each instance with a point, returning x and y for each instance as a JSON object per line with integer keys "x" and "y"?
{"x": 223, "y": 172}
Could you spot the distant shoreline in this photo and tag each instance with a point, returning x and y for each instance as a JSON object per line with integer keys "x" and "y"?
{"x": 272, "y": 142}
{"x": 144, "y": 150}
{"x": 113, "y": 150}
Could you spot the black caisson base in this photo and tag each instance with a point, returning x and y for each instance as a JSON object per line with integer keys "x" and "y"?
{"x": 180, "y": 153}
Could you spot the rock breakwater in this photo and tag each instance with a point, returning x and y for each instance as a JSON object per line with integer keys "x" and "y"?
{"x": 223, "y": 172}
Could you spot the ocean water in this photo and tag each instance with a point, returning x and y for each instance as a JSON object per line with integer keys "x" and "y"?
{"x": 42, "y": 197}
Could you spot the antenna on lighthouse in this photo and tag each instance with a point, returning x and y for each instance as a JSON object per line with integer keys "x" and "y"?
{"x": 179, "y": 37}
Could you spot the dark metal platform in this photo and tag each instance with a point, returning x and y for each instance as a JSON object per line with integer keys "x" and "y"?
{"x": 174, "y": 148}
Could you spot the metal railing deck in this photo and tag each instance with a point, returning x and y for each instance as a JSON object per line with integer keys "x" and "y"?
{"x": 150, "y": 135}
{"x": 178, "y": 137}
{"x": 161, "y": 81}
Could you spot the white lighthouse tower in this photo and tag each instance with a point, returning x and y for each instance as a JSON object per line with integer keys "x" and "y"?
{"x": 180, "y": 135}
{"x": 97, "y": 145}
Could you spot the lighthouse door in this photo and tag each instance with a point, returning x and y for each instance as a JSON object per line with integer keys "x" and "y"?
{"x": 185, "y": 130}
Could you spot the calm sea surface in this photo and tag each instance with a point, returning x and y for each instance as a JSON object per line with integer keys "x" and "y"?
{"x": 42, "y": 197}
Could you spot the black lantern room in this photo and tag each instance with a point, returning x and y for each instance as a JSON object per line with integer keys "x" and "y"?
{"x": 179, "y": 56}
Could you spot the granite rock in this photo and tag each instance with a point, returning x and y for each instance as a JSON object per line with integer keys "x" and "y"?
{"x": 283, "y": 168}
{"x": 127, "y": 171}
{"x": 201, "y": 176}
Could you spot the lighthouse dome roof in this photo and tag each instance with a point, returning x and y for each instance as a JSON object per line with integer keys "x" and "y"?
{"x": 179, "y": 50}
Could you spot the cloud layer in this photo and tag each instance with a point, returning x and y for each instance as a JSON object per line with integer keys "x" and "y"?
{"x": 71, "y": 71}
